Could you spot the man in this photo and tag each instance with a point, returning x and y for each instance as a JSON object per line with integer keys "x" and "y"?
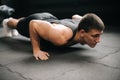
{"x": 65, "y": 32}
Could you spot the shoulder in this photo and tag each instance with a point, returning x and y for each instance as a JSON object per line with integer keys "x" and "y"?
{"x": 41, "y": 23}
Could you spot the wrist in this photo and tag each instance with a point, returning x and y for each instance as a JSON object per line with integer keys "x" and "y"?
{"x": 35, "y": 51}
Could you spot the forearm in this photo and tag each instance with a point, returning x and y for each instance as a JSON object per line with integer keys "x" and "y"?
{"x": 35, "y": 33}
{"x": 34, "y": 39}
{"x": 35, "y": 43}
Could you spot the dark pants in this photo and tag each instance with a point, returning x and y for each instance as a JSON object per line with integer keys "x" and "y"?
{"x": 23, "y": 25}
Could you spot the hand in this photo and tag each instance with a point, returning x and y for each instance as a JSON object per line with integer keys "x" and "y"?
{"x": 41, "y": 55}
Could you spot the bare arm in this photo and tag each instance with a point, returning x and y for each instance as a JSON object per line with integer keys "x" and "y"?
{"x": 35, "y": 33}
{"x": 55, "y": 33}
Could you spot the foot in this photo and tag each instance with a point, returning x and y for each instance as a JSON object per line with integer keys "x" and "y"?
{"x": 8, "y": 32}
{"x": 14, "y": 32}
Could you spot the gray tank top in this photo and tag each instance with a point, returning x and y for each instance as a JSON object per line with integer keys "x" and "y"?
{"x": 72, "y": 24}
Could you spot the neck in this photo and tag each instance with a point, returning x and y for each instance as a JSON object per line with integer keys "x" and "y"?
{"x": 79, "y": 39}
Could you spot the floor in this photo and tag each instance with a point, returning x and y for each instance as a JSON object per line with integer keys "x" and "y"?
{"x": 74, "y": 63}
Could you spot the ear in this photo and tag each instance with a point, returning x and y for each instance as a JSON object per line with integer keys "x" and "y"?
{"x": 81, "y": 32}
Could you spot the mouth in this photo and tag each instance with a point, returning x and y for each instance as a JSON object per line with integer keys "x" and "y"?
{"x": 82, "y": 43}
{"x": 93, "y": 45}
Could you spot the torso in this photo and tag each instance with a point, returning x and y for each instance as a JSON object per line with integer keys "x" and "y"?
{"x": 65, "y": 28}
{"x": 71, "y": 25}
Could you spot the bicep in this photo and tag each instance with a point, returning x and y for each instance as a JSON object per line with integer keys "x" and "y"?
{"x": 42, "y": 28}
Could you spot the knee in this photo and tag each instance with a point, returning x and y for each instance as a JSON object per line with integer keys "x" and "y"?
{"x": 12, "y": 22}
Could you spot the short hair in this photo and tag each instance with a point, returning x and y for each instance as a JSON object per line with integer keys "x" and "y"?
{"x": 90, "y": 21}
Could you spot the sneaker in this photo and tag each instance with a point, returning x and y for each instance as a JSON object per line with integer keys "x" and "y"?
{"x": 14, "y": 32}
{"x": 8, "y": 32}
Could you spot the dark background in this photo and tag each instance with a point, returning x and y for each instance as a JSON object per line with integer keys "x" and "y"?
{"x": 107, "y": 10}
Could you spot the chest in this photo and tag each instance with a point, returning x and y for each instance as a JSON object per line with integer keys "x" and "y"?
{"x": 60, "y": 34}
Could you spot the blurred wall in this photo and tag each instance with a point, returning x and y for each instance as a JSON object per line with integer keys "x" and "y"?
{"x": 107, "y": 10}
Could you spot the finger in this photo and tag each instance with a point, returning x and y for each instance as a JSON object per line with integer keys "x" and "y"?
{"x": 47, "y": 54}
{"x": 36, "y": 58}
{"x": 45, "y": 58}
{"x": 41, "y": 58}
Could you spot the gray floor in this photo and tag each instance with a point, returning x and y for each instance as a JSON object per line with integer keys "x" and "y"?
{"x": 74, "y": 63}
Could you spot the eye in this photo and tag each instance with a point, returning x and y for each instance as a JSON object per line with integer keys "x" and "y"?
{"x": 95, "y": 36}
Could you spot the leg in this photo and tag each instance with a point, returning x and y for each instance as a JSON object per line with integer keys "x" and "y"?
{"x": 12, "y": 23}
{"x": 76, "y": 17}
{"x": 9, "y": 27}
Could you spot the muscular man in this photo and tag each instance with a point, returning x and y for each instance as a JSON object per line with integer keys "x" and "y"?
{"x": 65, "y": 32}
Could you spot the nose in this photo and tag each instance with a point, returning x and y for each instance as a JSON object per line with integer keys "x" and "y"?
{"x": 98, "y": 39}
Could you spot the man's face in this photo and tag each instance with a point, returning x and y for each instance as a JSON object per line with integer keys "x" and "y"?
{"x": 92, "y": 37}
